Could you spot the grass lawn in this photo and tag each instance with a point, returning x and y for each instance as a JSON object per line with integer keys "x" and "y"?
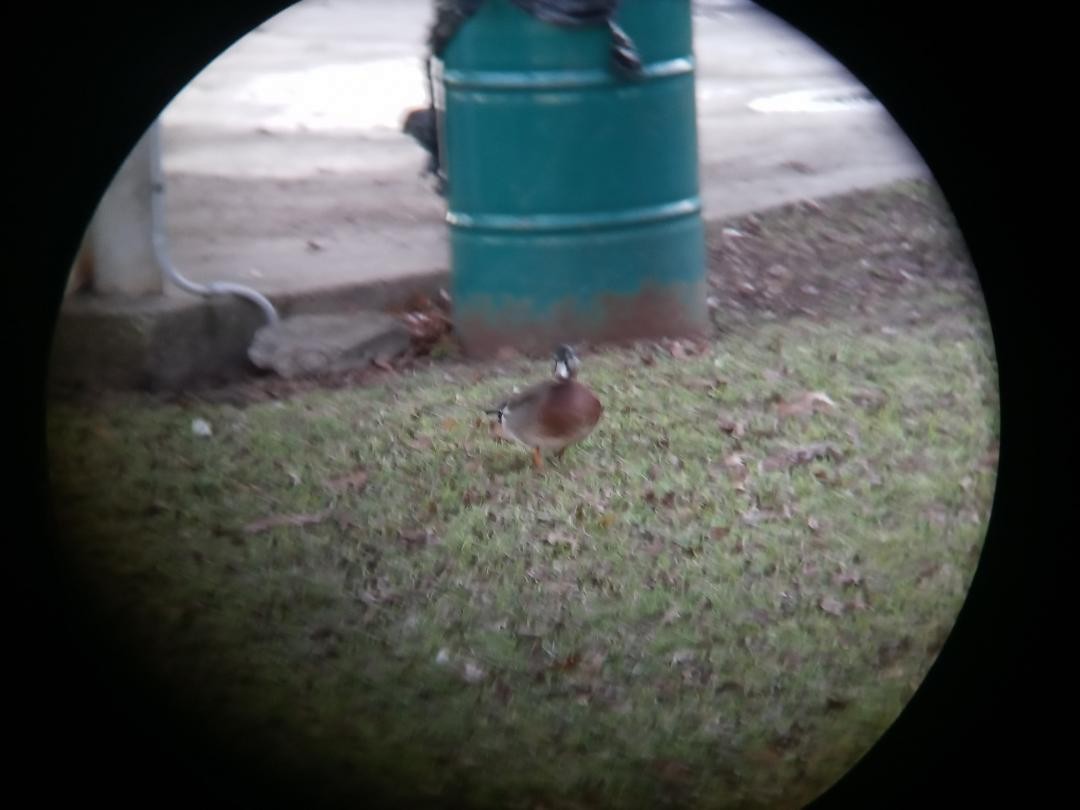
{"x": 721, "y": 599}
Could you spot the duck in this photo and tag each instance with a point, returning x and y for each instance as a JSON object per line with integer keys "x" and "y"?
{"x": 551, "y": 415}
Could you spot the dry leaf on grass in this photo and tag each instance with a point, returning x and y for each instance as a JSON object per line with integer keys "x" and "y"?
{"x": 834, "y": 704}
{"x": 732, "y": 427}
{"x": 671, "y": 770}
{"x": 832, "y": 606}
{"x": 680, "y": 657}
{"x": 567, "y": 663}
{"x": 842, "y": 579}
{"x": 670, "y": 616}
{"x": 806, "y": 403}
{"x": 559, "y": 538}
{"x": 753, "y": 516}
{"x": 736, "y": 467}
{"x": 356, "y": 480}
{"x": 420, "y": 538}
{"x": 858, "y": 603}
{"x": 800, "y": 455}
{"x": 274, "y": 521}
{"x": 869, "y": 398}
{"x": 593, "y": 663}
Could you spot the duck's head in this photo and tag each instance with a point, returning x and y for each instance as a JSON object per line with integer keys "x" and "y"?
{"x": 566, "y": 363}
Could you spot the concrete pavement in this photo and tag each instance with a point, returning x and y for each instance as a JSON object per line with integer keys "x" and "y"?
{"x": 287, "y": 171}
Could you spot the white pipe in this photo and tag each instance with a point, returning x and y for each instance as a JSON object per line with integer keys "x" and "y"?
{"x": 157, "y": 204}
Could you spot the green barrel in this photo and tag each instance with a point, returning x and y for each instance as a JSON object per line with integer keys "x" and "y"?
{"x": 573, "y": 199}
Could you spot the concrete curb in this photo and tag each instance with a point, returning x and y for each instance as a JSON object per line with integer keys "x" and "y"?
{"x": 162, "y": 343}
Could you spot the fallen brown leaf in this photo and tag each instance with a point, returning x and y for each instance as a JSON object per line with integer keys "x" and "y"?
{"x": 654, "y": 548}
{"x": 567, "y": 663}
{"x": 593, "y": 663}
{"x": 275, "y": 521}
{"x": 420, "y": 443}
{"x": 671, "y": 616}
{"x": 503, "y": 691}
{"x": 559, "y": 588}
{"x": 870, "y": 398}
{"x": 418, "y": 538}
{"x": 732, "y": 427}
{"x": 891, "y": 651}
{"x": 356, "y": 480}
{"x": 559, "y": 538}
{"x": 828, "y": 477}
{"x": 927, "y": 571}
{"x": 806, "y": 403}
{"x": 671, "y": 770}
{"x": 832, "y": 606}
{"x": 736, "y": 467}
{"x": 369, "y": 598}
{"x": 800, "y": 455}
{"x": 719, "y": 532}
{"x": 680, "y": 657}
{"x": 754, "y": 516}
{"x": 842, "y": 579}
{"x": 767, "y": 756}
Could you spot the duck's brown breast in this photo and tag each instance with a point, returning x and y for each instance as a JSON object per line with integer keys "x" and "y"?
{"x": 570, "y": 408}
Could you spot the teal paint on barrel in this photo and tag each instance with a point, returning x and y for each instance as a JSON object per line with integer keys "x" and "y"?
{"x": 573, "y": 199}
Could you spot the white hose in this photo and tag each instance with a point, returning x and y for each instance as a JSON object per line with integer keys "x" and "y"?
{"x": 157, "y": 215}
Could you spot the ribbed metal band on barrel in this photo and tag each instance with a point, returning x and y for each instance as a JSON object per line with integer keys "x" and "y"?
{"x": 570, "y": 222}
{"x": 551, "y": 79}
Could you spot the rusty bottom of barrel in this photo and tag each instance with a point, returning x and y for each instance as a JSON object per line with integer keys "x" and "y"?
{"x": 652, "y": 312}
